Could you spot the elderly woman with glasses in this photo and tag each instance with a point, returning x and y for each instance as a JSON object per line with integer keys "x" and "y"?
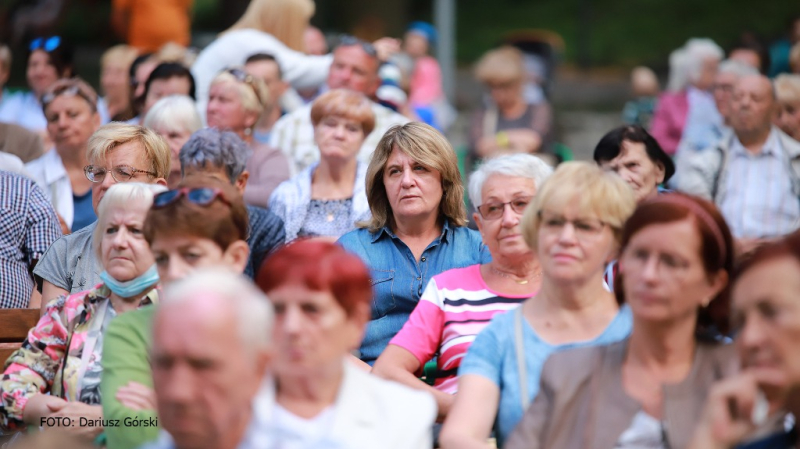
{"x": 417, "y": 230}
{"x": 327, "y": 199}
{"x": 62, "y": 354}
{"x": 235, "y": 103}
{"x": 648, "y": 390}
{"x": 457, "y": 304}
{"x": 574, "y": 227}
{"x": 116, "y": 153}
{"x": 70, "y": 106}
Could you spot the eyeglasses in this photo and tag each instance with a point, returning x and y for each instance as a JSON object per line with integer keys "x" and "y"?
{"x": 346, "y": 40}
{"x": 582, "y": 227}
{"x": 120, "y": 173}
{"x": 48, "y": 45}
{"x": 493, "y": 211}
{"x": 244, "y": 77}
{"x": 202, "y": 196}
{"x": 70, "y": 91}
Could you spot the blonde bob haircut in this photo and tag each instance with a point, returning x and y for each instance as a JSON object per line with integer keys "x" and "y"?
{"x": 287, "y": 20}
{"x": 787, "y": 89}
{"x": 114, "y": 134}
{"x": 502, "y": 65}
{"x": 123, "y": 195}
{"x": 428, "y": 147}
{"x": 594, "y": 191}
{"x": 119, "y": 55}
{"x": 347, "y": 104}
{"x": 253, "y": 92}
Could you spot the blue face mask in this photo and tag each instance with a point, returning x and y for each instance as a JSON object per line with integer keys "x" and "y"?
{"x": 129, "y": 289}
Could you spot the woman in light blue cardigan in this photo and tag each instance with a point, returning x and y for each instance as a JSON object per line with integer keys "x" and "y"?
{"x": 328, "y": 198}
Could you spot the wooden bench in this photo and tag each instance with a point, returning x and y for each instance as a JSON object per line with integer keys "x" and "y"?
{"x": 14, "y": 327}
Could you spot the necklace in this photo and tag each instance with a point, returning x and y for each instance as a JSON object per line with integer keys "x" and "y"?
{"x": 520, "y": 282}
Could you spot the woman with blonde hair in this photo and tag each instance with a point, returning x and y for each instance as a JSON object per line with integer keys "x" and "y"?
{"x": 787, "y": 90}
{"x": 418, "y": 226}
{"x": 115, "y": 83}
{"x": 236, "y": 101}
{"x": 275, "y": 27}
{"x": 508, "y": 123}
{"x": 328, "y": 198}
{"x": 574, "y": 226}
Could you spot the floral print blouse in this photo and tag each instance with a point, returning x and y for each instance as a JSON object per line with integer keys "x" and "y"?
{"x": 51, "y": 359}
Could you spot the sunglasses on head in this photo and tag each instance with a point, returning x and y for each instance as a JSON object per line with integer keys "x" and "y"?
{"x": 244, "y": 77}
{"x": 69, "y": 91}
{"x": 202, "y": 196}
{"x": 347, "y": 40}
{"x": 47, "y": 44}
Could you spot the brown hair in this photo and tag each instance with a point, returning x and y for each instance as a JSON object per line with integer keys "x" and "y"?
{"x": 430, "y": 148}
{"x": 716, "y": 249}
{"x": 218, "y": 222}
{"x": 73, "y": 86}
{"x": 347, "y": 104}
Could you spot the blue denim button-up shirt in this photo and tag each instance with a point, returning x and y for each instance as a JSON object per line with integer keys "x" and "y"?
{"x": 399, "y": 279}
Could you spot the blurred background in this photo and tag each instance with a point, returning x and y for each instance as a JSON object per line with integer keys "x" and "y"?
{"x": 595, "y": 42}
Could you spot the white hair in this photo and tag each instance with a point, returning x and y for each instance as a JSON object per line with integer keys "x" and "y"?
{"x": 737, "y": 68}
{"x": 121, "y": 196}
{"x": 251, "y": 307}
{"x": 517, "y": 165}
{"x": 175, "y": 113}
{"x": 697, "y": 51}
{"x": 678, "y": 70}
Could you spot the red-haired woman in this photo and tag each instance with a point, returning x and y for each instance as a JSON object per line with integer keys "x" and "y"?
{"x": 647, "y": 390}
{"x": 322, "y": 296}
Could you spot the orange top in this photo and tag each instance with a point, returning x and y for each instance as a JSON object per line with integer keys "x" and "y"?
{"x": 153, "y": 23}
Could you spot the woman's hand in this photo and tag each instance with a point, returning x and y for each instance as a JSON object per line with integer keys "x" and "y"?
{"x": 40, "y": 406}
{"x": 727, "y": 418}
{"x": 136, "y": 396}
{"x": 92, "y": 415}
{"x": 386, "y": 47}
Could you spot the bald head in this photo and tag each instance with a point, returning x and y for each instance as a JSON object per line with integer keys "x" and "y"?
{"x": 201, "y": 341}
{"x": 753, "y": 107}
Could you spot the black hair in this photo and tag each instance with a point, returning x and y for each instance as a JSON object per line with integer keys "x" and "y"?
{"x": 258, "y": 57}
{"x": 610, "y": 146}
{"x": 167, "y": 70}
{"x": 62, "y": 57}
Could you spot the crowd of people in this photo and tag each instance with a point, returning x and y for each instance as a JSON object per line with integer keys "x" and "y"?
{"x": 271, "y": 245}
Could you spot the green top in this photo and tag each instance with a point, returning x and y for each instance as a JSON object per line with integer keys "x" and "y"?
{"x": 126, "y": 346}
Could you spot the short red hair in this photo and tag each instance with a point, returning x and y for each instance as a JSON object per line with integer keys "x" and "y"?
{"x": 320, "y": 266}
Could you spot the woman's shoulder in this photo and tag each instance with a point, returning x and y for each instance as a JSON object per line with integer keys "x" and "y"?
{"x": 469, "y": 235}
{"x": 579, "y": 363}
{"x": 466, "y": 278}
{"x": 356, "y": 239}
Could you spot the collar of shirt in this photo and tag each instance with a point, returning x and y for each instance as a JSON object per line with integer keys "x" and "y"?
{"x": 53, "y": 167}
{"x": 387, "y": 231}
{"x": 770, "y": 148}
{"x": 102, "y": 292}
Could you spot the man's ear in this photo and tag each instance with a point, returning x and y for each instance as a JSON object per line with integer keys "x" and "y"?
{"x": 237, "y": 255}
{"x": 241, "y": 182}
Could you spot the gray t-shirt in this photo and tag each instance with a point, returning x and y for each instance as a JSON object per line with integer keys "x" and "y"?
{"x": 70, "y": 263}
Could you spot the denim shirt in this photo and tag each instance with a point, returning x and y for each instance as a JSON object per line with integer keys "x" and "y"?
{"x": 398, "y": 278}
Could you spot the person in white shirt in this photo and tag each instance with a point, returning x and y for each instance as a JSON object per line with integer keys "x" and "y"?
{"x": 70, "y": 106}
{"x": 355, "y": 67}
{"x": 320, "y": 397}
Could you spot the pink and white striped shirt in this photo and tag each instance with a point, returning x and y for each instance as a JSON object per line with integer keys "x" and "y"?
{"x": 455, "y": 306}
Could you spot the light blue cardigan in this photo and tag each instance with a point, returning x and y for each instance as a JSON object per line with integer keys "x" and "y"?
{"x": 291, "y": 198}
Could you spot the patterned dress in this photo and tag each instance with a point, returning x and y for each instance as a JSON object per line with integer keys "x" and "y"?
{"x": 51, "y": 360}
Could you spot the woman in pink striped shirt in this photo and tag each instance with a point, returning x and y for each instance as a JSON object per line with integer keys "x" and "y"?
{"x": 457, "y": 304}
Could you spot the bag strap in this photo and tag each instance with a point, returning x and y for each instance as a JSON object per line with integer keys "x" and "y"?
{"x": 522, "y": 367}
